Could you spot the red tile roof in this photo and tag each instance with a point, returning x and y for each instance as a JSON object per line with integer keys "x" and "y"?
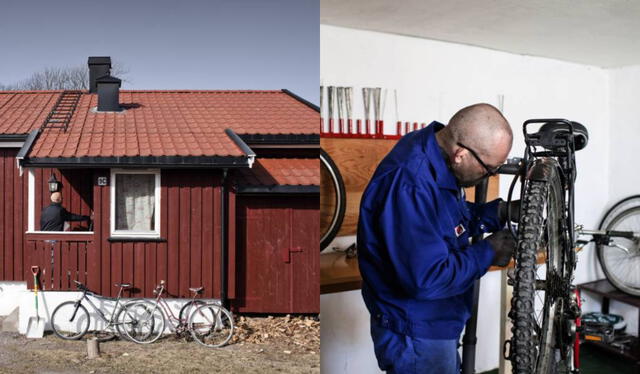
{"x": 282, "y": 171}
{"x": 21, "y": 112}
{"x": 156, "y": 123}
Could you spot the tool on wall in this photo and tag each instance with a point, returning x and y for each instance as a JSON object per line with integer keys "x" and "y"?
{"x": 376, "y": 109}
{"x": 340, "y": 100}
{"x": 321, "y": 108}
{"x": 348, "y": 96}
{"x": 330, "y": 107}
{"x": 366, "y": 97}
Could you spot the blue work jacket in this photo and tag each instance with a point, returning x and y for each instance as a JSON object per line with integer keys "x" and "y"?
{"x": 415, "y": 258}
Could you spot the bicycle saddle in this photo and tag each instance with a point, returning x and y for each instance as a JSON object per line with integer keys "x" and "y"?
{"x": 196, "y": 289}
{"x": 552, "y": 135}
{"x": 123, "y": 285}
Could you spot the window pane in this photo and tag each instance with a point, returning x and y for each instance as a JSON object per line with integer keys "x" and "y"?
{"x": 135, "y": 202}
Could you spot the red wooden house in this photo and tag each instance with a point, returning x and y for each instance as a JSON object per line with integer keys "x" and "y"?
{"x": 211, "y": 188}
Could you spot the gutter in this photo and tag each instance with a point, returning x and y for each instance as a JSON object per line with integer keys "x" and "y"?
{"x": 174, "y": 162}
{"x": 26, "y": 148}
{"x": 251, "y": 155}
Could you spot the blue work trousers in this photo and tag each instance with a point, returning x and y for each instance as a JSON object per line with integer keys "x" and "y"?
{"x": 402, "y": 354}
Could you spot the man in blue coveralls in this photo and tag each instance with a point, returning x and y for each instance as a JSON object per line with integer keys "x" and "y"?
{"x": 417, "y": 264}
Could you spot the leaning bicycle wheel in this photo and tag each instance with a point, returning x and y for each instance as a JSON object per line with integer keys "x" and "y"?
{"x": 70, "y": 320}
{"x": 621, "y": 263}
{"x": 538, "y": 301}
{"x": 211, "y": 325}
{"x": 333, "y": 200}
{"x": 143, "y": 322}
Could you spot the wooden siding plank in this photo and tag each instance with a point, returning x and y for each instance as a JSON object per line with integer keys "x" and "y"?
{"x": 139, "y": 268}
{"x": 195, "y": 240}
{"x": 173, "y": 237}
{"x": 185, "y": 223}
{"x": 7, "y": 263}
{"x": 207, "y": 237}
{"x": 232, "y": 248}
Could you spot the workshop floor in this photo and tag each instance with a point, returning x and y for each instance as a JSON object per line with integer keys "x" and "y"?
{"x": 597, "y": 362}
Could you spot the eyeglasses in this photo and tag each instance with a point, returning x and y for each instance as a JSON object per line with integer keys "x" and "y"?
{"x": 490, "y": 172}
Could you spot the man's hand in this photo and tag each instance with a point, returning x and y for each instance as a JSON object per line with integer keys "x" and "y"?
{"x": 515, "y": 210}
{"x": 503, "y": 245}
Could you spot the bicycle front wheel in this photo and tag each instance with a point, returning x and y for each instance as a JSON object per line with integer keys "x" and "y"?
{"x": 70, "y": 320}
{"x": 620, "y": 265}
{"x": 142, "y": 322}
{"x": 538, "y": 298}
{"x": 211, "y": 325}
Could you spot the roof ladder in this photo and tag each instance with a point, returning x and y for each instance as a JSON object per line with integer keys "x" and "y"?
{"x": 62, "y": 111}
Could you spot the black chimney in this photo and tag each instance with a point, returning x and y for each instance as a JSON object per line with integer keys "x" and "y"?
{"x": 108, "y": 94}
{"x": 98, "y": 67}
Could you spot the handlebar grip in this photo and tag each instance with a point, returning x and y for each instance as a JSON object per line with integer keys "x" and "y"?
{"x": 512, "y": 169}
{"x": 622, "y": 234}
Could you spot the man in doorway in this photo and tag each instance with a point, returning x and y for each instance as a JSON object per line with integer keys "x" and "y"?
{"x": 54, "y": 216}
{"x": 417, "y": 264}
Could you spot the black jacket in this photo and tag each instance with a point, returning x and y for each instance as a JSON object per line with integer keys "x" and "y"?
{"x": 54, "y": 216}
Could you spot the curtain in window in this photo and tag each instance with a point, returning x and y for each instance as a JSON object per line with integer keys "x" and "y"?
{"x": 135, "y": 202}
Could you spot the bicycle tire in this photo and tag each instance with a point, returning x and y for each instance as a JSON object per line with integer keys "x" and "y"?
{"x": 211, "y": 325}
{"x": 65, "y": 329}
{"x": 186, "y": 310}
{"x": 145, "y": 320}
{"x": 633, "y": 200}
{"x": 615, "y": 261}
{"x": 341, "y": 200}
{"x": 534, "y": 337}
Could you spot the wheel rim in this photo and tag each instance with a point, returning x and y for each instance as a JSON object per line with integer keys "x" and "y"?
{"x": 142, "y": 323}
{"x": 546, "y": 305}
{"x": 621, "y": 267}
{"x": 332, "y": 195}
{"x": 68, "y": 323}
{"x": 211, "y": 325}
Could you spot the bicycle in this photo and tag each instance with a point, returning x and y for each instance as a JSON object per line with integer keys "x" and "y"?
{"x": 71, "y": 320}
{"x": 619, "y": 258}
{"x": 148, "y": 319}
{"x": 545, "y": 308}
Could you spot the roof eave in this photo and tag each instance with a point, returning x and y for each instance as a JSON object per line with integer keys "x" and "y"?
{"x": 173, "y": 162}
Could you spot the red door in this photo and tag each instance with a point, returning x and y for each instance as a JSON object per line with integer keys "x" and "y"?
{"x": 277, "y": 254}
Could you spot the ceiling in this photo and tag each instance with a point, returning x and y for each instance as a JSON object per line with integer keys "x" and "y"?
{"x": 603, "y": 33}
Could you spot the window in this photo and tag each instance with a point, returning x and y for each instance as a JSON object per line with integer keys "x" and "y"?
{"x": 135, "y": 203}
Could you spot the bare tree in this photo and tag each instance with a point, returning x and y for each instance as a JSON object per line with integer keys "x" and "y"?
{"x": 69, "y": 78}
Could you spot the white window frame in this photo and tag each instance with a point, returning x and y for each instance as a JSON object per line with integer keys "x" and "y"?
{"x": 112, "y": 214}
{"x": 31, "y": 209}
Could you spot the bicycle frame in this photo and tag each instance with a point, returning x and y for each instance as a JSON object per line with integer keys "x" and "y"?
{"x": 85, "y": 296}
{"x": 174, "y": 322}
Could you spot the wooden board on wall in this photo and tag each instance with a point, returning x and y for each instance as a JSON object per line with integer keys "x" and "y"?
{"x": 357, "y": 160}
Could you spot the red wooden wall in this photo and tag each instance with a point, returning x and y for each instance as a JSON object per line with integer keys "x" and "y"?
{"x": 273, "y": 258}
{"x": 277, "y": 261}
{"x": 13, "y": 217}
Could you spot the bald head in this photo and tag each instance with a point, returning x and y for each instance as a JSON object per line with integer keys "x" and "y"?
{"x": 482, "y": 128}
{"x": 56, "y": 197}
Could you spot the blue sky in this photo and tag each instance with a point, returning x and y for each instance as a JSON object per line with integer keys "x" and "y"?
{"x": 241, "y": 44}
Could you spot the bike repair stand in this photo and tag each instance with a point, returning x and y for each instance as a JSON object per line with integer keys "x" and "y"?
{"x": 469, "y": 339}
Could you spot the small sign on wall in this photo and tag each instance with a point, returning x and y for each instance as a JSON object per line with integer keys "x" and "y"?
{"x": 103, "y": 181}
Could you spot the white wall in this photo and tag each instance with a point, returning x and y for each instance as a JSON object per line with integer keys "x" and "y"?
{"x": 434, "y": 79}
{"x": 16, "y": 295}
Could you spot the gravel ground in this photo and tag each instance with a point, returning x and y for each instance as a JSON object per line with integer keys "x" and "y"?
{"x": 168, "y": 355}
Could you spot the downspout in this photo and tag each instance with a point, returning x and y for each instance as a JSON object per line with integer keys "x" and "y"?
{"x": 223, "y": 239}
